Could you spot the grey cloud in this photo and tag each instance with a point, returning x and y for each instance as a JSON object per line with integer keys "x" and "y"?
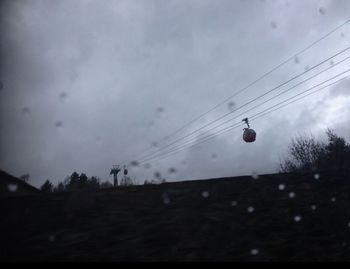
{"x": 118, "y": 61}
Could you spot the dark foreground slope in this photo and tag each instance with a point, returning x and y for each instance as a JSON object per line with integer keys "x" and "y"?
{"x": 186, "y": 221}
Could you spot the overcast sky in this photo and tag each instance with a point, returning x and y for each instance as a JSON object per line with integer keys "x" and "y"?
{"x": 87, "y": 84}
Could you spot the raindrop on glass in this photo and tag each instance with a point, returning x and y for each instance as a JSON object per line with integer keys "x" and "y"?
{"x": 172, "y": 170}
{"x": 134, "y": 163}
{"x": 333, "y": 199}
{"x": 1, "y": 85}
{"x": 291, "y": 195}
{"x": 250, "y": 209}
{"x": 313, "y": 207}
{"x": 52, "y": 238}
{"x": 296, "y": 60}
{"x": 157, "y": 175}
{"x": 154, "y": 144}
{"x": 234, "y": 203}
{"x": 160, "y": 110}
{"x": 63, "y": 97}
{"x": 231, "y": 106}
{"x": 98, "y": 139}
{"x": 12, "y": 187}
{"x": 281, "y": 187}
{"x": 322, "y": 10}
{"x": 331, "y": 62}
{"x": 205, "y": 194}
{"x": 273, "y": 25}
{"x": 255, "y": 175}
{"x": 166, "y": 199}
{"x": 254, "y": 251}
{"x": 147, "y": 166}
{"x": 26, "y": 111}
{"x": 58, "y": 124}
{"x": 297, "y": 218}
{"x": 307, "y": 68}
{"x": 214, "y": 156}
{"x": 349, "y": 224}
{"x": 342, "y": 35}
{"x": 317, "y": 176}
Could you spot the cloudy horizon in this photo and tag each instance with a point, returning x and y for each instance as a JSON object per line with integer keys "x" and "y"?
{"x": 89, "y": 84}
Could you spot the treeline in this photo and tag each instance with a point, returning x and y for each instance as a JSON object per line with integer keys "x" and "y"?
{"x": 76, "y": 182}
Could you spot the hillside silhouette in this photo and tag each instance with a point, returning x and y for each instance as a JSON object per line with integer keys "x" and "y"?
{"x": 278, "y": 217}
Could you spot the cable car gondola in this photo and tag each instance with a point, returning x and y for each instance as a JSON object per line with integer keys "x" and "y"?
{"x": 249, "y": 135}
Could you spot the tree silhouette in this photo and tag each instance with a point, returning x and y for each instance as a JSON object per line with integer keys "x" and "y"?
{"x": 25, "y": 178}
{"x": 47, "y": 187}
{"x": 307, "y": 154}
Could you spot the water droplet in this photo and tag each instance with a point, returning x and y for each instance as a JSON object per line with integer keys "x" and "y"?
{"x": 281, "y": 187}
{"x": 322, "y": 11}
{"x": 205, "y": 194}
{"x": 147, "y": 166}
{"x": 273, "y": 25}
{"x": 297, "y": 218}
{"x": 317, "y": 176}
{"x": 291, "y": 195}
{"x": 98, "y": 140}
{"x": 63, "y": 97}
{"x": 12, "y": 187}
{"x": 333, "y": 199}
{"x": 254, "y": 251}
{"x": 52, "y": 238}
{"x": 160, "y": 110}
{"x": 231, "y": 106}
{"x": 349, "y": 224}
{"x": 134, "y": 163}
{"x": 313, "y": 207}
{"x": 296, "y": 60}
{"x": 157, "y": 175}
{"x": 1, "y": 85}
{"x": 26, "y": 111}
{"x": 307, "y": 68}
{"x": 214, "y": 156}
{"x": 154, "y": 144}
{"x": 255, "y": 175}
{"x": 166, "y": 199}
{"x": 172, "y": 170}
{"x": 344, "y": 244}
{"x": 234, "y": 203}
{"x": 251, "y": 209}
{"x": 331, "y": 62}
{"x": 59, "y": 124}
{"x": 342, "y": 35}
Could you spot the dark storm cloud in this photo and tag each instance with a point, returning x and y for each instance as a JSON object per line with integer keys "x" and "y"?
{"x": 83, "y": 81}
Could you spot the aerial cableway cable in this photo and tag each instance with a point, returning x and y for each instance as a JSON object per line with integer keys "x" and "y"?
{"x": 252, "y": 118}
{"x": 253, "y": 82}
{"x": 268, "y": 100}
{"x": 257, "y": 98}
